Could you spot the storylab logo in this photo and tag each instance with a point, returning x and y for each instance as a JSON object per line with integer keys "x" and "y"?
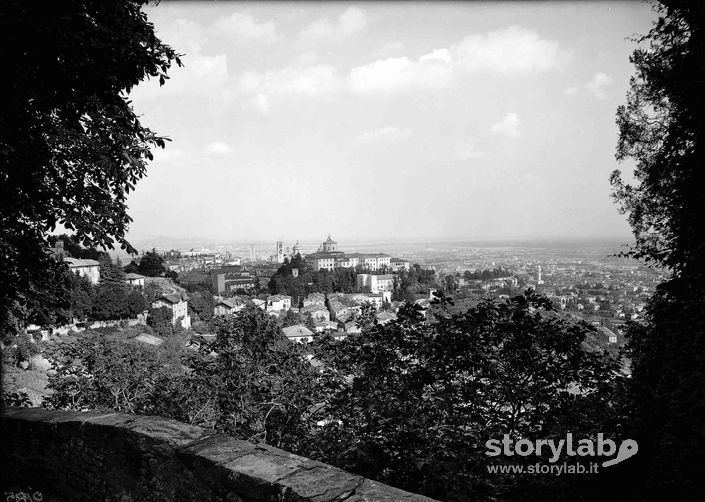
{"x": 552, "y": 450}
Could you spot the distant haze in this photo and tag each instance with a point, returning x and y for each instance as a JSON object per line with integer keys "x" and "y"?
{"x": 386, "y": 121}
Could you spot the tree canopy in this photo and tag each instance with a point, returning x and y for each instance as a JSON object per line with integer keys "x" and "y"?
{"x": 662, "y": 129}
{"x": 71, "y": 145}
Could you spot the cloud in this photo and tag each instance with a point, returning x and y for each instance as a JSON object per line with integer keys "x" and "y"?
{"x": 389, "y": 49}
{"x": 399, "y": 74}
{"x": 512, "y": 52}
{"x": 570, "y": 91}
{"x": 386, "y": 134}
{"x": 599, "y": 84}
{"x": 467, "y": 150}
{"x": 245, "y": 28}
{"x": 288, "y": 83}
{"x": 167, "y": 154}
{"x": 201, "y": 76}
{"x": 352, "y": 20}
{"x": 217, "y": 148}
{"x": 509, "y": 126}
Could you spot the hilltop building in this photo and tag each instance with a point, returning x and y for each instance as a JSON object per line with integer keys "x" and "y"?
{"x": 328, "y": 257}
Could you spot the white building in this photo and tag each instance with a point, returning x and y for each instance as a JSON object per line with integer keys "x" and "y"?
{"x": 228, "y": 306}
{"x": 376, "y": 283}
{"x": 85, "y": 268}
{"x": 135, "y": 280}
{"x": 278, "y": 302}
{"x": 178, "y": 306}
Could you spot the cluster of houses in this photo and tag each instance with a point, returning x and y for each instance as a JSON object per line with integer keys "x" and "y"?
{"x": 334, "y": 314}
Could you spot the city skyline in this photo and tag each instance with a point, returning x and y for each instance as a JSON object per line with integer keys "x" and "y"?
{"x": 486, "y": 121}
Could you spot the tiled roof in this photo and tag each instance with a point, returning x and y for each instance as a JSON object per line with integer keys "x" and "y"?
{"x": 172, "y": 298}
{"x": 132, "y": 276}
{"x": 77, "y": 262}
{"x": 296, "y": 331}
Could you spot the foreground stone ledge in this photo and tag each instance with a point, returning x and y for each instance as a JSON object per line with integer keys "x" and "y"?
{"x": 117, "y": 457}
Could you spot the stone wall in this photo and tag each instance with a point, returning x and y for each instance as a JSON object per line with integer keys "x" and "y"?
{"x": 117, "y": 457}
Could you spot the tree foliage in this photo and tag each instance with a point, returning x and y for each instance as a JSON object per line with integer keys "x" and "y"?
{"x": 413, "y": 404}
{"x": 71, "y": 145}
{"x": 160, "y": 321}
{"x": 99, "y": 372}
{"x": 662, "y": 129}
{"x": 151, "y": 264}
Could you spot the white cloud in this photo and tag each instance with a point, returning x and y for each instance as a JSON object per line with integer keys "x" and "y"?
{"x": 217, "y": 148}
{"x": 599, "y": 84}
{"x": 389, "y": 49}
{"x": 200, "y": 76}
{"x": 509, "y": 126}
{"x": 512, "y": 52}
{"x": 386, "y": 134}
{"x": 244, "y": 27}
{"x": 570, "y": 91}
{"x": 185, "y": 34}
{"x": 278, "y": 85}
{"x": 399, "y": 74}
{"x": 352, "y": 20}
{"x": 467, "y": 150}
{"x": 167, "y": 154}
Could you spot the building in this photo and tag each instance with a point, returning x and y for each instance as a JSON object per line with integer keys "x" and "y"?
{"x": 317, "y": 313}
{"x": 278, "y": 256}
{"x": 397, "y": 264}
{"x": 328, "y": 257}
{"x": 85, "y": 268}
{"x": 298, "y": 333}
{"x": 376, "y": 283}
{"x": 228, "y": 306}
{"x": 178, "y": 305}
{"x": 134, "y": 280}
{"x": 278, "y": 302}
{"x": 231, "y": 278}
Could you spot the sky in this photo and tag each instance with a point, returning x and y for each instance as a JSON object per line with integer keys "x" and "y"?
{"x": 399, "y": 120}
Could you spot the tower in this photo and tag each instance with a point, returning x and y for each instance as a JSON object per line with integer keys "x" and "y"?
{"x": 328, "y": 245}
{"x": 280, "y": 252}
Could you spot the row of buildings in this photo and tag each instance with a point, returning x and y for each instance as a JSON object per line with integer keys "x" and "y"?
{"x": 328, "y": 257}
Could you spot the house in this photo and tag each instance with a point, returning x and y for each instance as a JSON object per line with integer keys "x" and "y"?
{"x": 315, "y": 299}
{"x": 134, "y": 280}
{"x": 376, "y": 283}
{"x": 259, "y": 303}
{"x": 323, "y": 326}
{"x": 229, "y": 306}
{"x": 385, "y": 317}
{"x": 318, "y": 314}
{"x": 397, "y": 264}
{"x": 351, "y": 328}
{"x": 178, "y": 305}
{"x": 298, "y": 333}
{"x": 278, "y": 302}
{"x": 85, "y": 268}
